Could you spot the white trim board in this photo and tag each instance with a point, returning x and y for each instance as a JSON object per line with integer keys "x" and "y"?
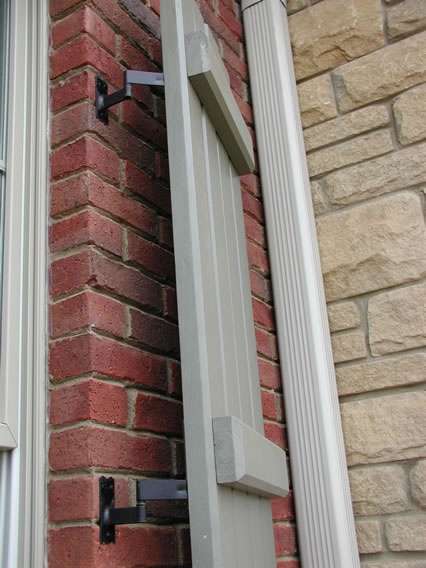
{"x": 324, "y": 515}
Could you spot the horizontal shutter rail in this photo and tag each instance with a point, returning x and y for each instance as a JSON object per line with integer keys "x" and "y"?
{"x": 246, "y": 460}
{"x": 210, "y": 80}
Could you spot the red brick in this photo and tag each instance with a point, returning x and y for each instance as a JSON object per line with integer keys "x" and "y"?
{"x": 144, "y": 15}
{"x": 123, "y": 23}
{"x": 150, "y": 256}
{"x": 249, "y": 182}
{"x": 232, "y": 22}
{"x": 175, "y": 378}
{"x": 87, "y": 310}
{"x": 219, "y": 27}
{"x": 257, "y": 257}
{"x": 252, "y": 205}
{"x": 154, "y": 332}
{"x": 144, "y": 125}
{"x": 246, "y": 111}
{"x": 90, "y": 354}
{"x": 266, "y": 343}
{"x": 90, "y": 446}
{"x": 59, "y": 6}
{"x": 133, "y": 58}
{"x": 78, "y": 499}
{"x": 184, "y": 546}
{"x": 74, "y": 89}
{"x": 158, "y": 415}
{"x": 283, "y": 508}
{"x": 156, "y": 51}
{"x": 88, "y": 189}
{"x": 291, "y": 563}
{"x": 85, "y": 51}
{"x": 270, "y": 375}
{"x": 86, "y": 227}
{"x": 85, "y": 153}
{"x": 257, "y": 284}
{"x": 234, "y": 60}
{"x": 238, "y": 86}
{"x": 178, "y": 458}
{"x": 170, "y": 308}
{"x": 79, "y": 547}
{"x": 285, "y": 540}
{"x": 90, "y": 400}
{"x": 263, "y": 314}
{"x": 88, "y": 268}
{"x": 276, "y": 433}
{"x": 82, "y": 119}
{"x": 166, "y": 232}
{"x": 83, "y": 20}
{"x": 163, "y": 171}
{"x": 280, "y": 407}
{"x": 268, "y": 405}
{"x": 254, "y": 230}
{"x": 140, "y": 183}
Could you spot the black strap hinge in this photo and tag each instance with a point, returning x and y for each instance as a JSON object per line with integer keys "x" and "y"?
{"x": 146, "y": 490}
{"x": 103, "y": 100}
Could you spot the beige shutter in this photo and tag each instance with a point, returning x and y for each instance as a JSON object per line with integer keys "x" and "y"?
{"x": 232, "y": 468}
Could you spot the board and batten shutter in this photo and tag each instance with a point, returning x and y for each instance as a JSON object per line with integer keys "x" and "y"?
{"x": 232, "y": 469}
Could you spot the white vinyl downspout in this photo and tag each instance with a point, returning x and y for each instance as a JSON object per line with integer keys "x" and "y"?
{"x": 325, "y": 521}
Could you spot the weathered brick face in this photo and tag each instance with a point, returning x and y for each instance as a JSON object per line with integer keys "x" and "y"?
{"x": 115, "y": 388}
{"x": 362, "y": 97}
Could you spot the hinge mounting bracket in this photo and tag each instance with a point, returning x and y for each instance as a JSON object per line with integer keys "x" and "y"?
{"x": 146, "y": 490}
{"x": 103, "y": 100}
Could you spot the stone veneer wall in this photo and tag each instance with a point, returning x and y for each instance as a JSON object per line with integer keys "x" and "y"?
{"x": 361, "y": 71}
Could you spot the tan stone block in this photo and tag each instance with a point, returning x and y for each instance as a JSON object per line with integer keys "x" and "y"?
{"x": 380, "y": 74}
{"x": 406, "y": 534}
{"x": 366, "y": 377}
{"x": 316, "y": 100}
{"x": 410, "y": 114}
{"x": 372, "y": 246}
{"x": 397, "y": 320}
{"x": 368, "y": 536}
{"x": 318, "y": 200}
{"x": 378, "y": 490}
{"x": 296, "y": 5}
{"x": 406, "y": 18}
{"x": 418, "y": 484}
{"x": 403, "y": 564}
{"x": 333, "y": 32}
{"x": 356, "y": 150}
{"x": 348, "y": 347}
{"x": 345, "y": 126}
{"x": 343, "y": 316}
{"x": 385, "y": 429}
{"x": 389, "y": 173}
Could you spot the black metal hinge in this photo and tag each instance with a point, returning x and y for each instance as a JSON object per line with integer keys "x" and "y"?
{"x": 103, "y": 100}
{"x": 146, "y": 490}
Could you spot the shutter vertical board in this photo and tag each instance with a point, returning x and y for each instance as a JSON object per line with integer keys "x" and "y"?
{"x": 230, "y": 527}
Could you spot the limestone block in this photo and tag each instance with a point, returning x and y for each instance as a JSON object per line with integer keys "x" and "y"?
{"x": 406, "y": 18}
{"x": 372, "y": 246}
{"x": 333, "y": 32}
{"x": 406, "y": 534}
{"x": 380, "y": 74}
{"x": 318, "y": 200}
{"x": 397, "y": 320}
{"x": 418, "y": 484}
{"x": 385, "y": 429}
{"x": 410, "y": 114}
{"x": 389, "y": 173}
{"x": 368, "y": 536}
{"x": 356, "y": 150}
{"x": 316, "y": 100}
{"x": 343, "y": 316}
{"x": 403, "y": 564}
{"x": 348, "y": 347}
{"x": 345, "y": 126}
{"x": 295, "y": 5}
{"x": 367, "y": 377}
{"x": 378, "y": 490}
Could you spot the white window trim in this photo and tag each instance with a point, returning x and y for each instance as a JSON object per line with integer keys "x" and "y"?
{"x": 23, "y": 369}
{"x": 324, "y": 514}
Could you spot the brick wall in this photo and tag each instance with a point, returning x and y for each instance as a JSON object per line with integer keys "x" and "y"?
{"x": 360, "y": 66}
{"x": 115, "y": 392}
